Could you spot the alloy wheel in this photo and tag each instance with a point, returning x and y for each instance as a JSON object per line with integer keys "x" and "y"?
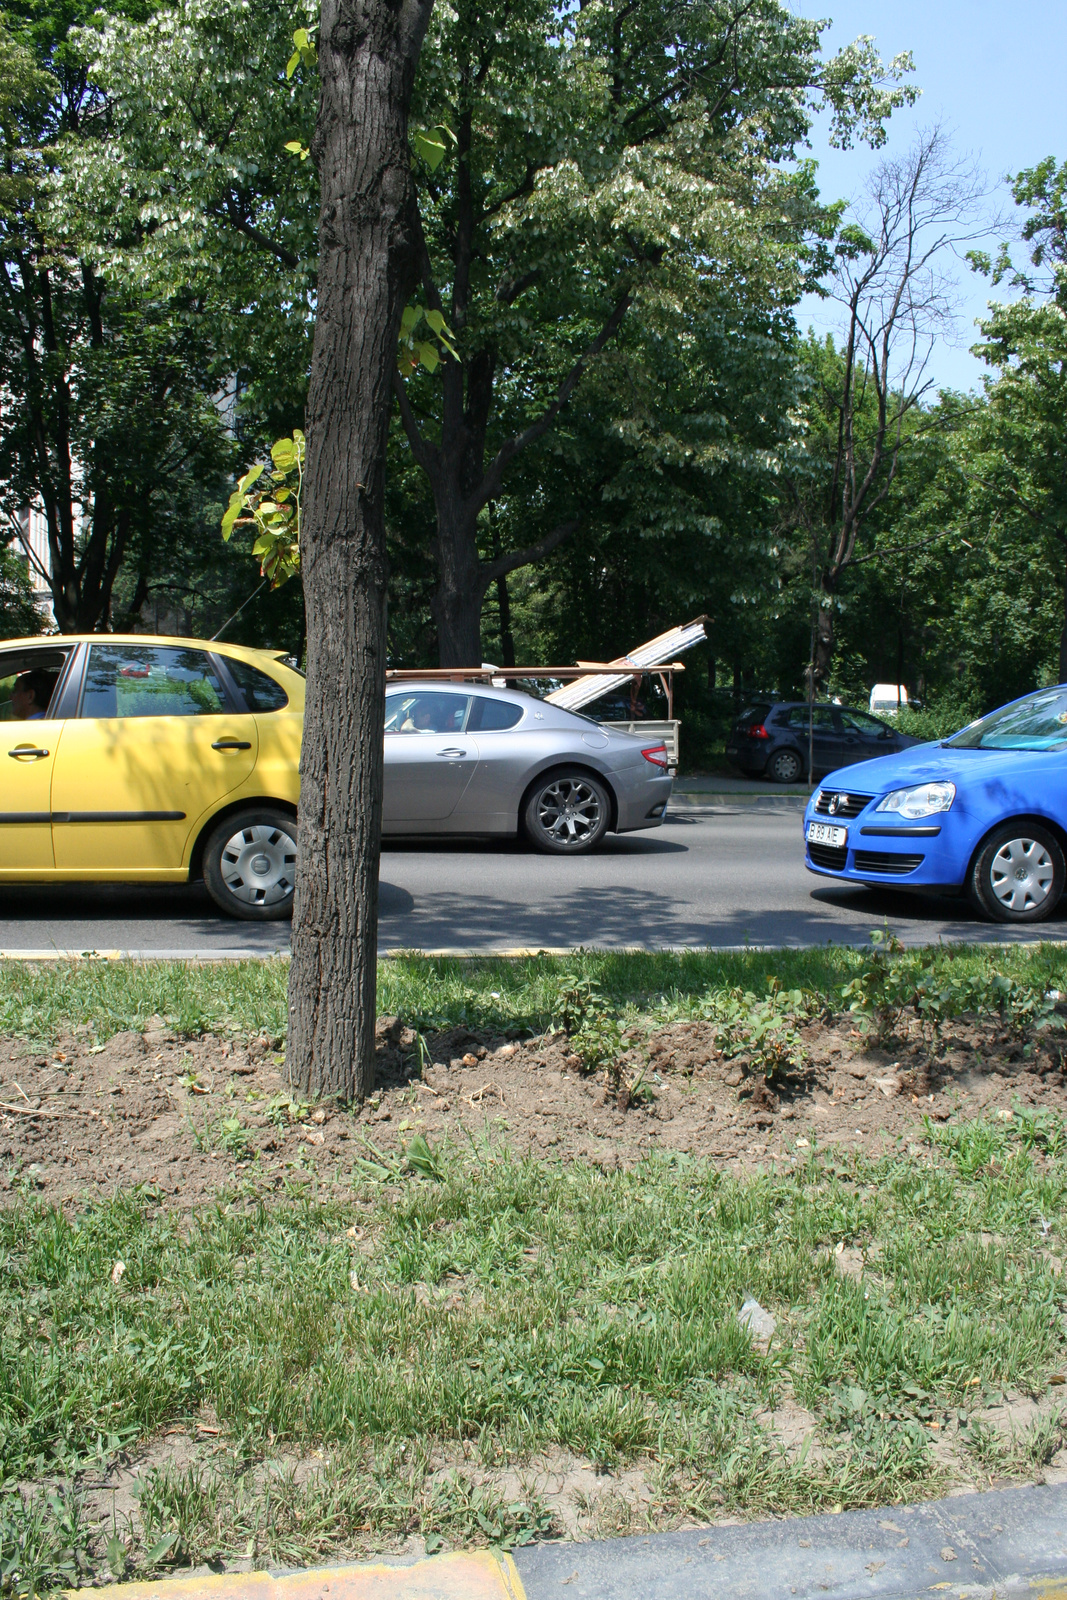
{"x": 569, "y": 811}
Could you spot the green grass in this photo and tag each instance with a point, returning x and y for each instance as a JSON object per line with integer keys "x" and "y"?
{"x": 42, "y": 999}
{"x": 517, "y": 1306}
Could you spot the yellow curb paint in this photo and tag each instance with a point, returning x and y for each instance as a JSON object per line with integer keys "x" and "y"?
{"x": 473, "y": 1575}
{"x": 1049, "y": 1588}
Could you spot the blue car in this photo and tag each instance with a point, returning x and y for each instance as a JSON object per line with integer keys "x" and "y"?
{"x": 983, "y": 813}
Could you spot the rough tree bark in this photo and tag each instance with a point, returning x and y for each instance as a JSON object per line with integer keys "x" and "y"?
{"x": 368, "y": 51}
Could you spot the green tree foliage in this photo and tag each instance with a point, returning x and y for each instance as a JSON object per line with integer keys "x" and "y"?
{"x": 20, "y": 614}
{"x": 617, "y": 168}
{"x": 109, "y": 390}
{"x": 579, "y": 175}
{"x": 202, "y": 182}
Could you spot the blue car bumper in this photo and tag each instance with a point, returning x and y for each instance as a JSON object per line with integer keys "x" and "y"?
{"x": 933, "y": 853}
{"x": 919, "y": 857}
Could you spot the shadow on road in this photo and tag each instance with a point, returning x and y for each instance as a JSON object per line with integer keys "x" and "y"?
{"x": 621, "y": 916}
{"x": 615, "y": 844}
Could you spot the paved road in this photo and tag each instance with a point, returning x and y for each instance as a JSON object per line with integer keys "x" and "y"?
{"x": 724, "y": 878}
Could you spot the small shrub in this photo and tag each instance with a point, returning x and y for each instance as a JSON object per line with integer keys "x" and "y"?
{"x": 764, "y": 1029}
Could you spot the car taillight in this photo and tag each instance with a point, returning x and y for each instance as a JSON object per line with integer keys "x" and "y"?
{"x": 758, "y": 732}
{"x": 657, "y": 754}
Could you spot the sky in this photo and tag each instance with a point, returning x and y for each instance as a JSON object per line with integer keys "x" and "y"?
{"x": 993, "y": 74}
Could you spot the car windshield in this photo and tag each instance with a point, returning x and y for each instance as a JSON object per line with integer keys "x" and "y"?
{"x": 1038, "y": 723}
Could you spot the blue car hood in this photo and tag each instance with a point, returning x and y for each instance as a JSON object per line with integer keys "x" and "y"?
{"x": 925, "y": 762}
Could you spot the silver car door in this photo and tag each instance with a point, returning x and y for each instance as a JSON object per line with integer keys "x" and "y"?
{"x": 490, "y": 802}
{"x": 429, "y": 760}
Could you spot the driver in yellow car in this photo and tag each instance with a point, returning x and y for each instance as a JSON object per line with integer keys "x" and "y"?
{"x": 31, "y": 694}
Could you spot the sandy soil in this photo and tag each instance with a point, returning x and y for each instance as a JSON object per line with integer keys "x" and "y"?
{"x": 189, "y": 1115}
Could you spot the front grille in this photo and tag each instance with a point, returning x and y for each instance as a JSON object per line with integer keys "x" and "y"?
{"x": 829, "y": 856}
{"x": 882, "y": 861}
{"x": 848, "y": 805}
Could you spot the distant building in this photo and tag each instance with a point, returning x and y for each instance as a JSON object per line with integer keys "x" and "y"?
{"x": 31, "y": 542}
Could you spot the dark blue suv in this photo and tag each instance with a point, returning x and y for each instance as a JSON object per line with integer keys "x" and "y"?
{"x": 771, "y": 740}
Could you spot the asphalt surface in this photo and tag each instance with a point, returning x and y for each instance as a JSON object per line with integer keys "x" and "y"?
{"x": 724, "y": 877}
{"x": 1007, "y": 1543}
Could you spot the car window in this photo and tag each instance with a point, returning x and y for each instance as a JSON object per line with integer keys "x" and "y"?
{"x": 150, "y": 681}
{"x": 1036, "y": 723}
{"x": 751, "y": 716}
{"x": 487, "y": 714}
{"x": 860, "y": 722}
{"x": 426, "y": 711}
{"x": 261, "y": 692}
{"x": 28, "y": 682}
{"x": 822, "y": 719}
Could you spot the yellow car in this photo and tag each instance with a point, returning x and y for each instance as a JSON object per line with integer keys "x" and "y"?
{"x": 137, "y": 759}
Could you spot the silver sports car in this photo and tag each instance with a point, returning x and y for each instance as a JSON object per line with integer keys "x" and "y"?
{"x": 462, "y": 759}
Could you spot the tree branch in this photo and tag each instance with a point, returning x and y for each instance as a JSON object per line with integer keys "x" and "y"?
{"x": 238, "y": 220}
{"x": 511, "y": 560}
{"x": 427, "y": 455}
{"x": 490, "y": 485}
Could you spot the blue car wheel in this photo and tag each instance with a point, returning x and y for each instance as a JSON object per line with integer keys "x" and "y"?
{"x": 1019, "y": 873}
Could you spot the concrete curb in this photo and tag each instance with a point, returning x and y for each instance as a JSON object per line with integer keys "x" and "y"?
{"x": 476, "y": 1575}
{"x": 758, "y": 803}
{"x": 1008, "y": 1542}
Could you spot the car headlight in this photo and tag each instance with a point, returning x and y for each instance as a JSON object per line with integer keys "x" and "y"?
{"x": 925, "y": 800}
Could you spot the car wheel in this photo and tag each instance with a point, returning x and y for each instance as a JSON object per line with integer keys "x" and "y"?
{"x": 566, "y": 813}
{"x": 784, "y": 767}
{"x": 250, "y": 864}
{"x": 1019, "y": 874}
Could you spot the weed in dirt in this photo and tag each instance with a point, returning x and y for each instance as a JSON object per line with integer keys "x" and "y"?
{"x": 44, "y": 1542}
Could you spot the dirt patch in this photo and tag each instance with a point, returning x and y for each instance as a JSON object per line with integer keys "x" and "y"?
{"x": 187, "y": 1116}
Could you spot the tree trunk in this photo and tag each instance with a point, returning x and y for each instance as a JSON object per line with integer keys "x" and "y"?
{"x": 368, "y": 50}
{"x": 507, "y": 638}
{"x": 824, "y": 631}
{"x": 461, "y": 584}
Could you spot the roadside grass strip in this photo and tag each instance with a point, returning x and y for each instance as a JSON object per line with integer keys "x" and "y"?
{"x": 395, "y": 1362}
{"x": 40, "y": 999}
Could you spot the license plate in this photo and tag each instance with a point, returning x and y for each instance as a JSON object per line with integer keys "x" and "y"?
{"x": 823, "y": 833}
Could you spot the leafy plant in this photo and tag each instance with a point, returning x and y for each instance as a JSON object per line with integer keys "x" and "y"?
{"x": 43, "y": 1544}
{"x": 232, "y": 1136}
{"x": 764, "y": 1029}
{"x": 283, "y": 1110}
{"x": 893, "y": 981}
{"x": 274, "y": 512}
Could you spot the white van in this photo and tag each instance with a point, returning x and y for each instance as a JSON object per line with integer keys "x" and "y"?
{"x": 887, "y": 699}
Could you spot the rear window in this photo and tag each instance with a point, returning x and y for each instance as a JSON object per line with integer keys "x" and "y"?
{"x": 751, "y": 716}
{"x": 261, "y": 692}
{"x": 487, "y": 715}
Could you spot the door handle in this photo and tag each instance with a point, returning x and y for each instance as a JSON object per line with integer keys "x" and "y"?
{"x": 24, "y": 750}
{"x": 451, "y": 752}
{"x": 232, "y": 744}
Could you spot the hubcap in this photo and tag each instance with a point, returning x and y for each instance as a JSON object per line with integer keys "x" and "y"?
{"x": 259, "y": 865}
{"x": 1021, "y": 874}
{"x": 569, "y": 810}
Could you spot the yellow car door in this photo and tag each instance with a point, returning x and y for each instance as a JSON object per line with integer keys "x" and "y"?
{"x": 30, "y": 735}
{"x": 155, "y": 748}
